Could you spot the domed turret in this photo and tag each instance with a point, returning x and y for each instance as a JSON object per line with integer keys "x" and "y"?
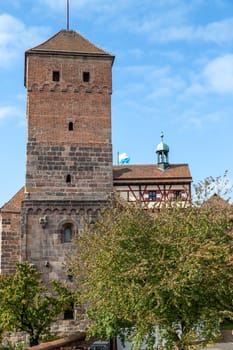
{"x": 162, "y": 151}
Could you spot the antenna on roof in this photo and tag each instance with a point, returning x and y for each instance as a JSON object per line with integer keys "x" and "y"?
{"x": 67, "y": 15}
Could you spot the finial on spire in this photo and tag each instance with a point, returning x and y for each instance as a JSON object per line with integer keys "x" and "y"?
{"x": 67, "y": 15}
{"x": 161, "y": 135}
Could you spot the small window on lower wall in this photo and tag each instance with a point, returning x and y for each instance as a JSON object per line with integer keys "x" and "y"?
{"x": 69, "y": 313}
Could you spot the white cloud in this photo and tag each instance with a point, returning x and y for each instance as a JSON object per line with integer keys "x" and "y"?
{"x": 8, "y": 112}
{"x": 195, "y": 89}
{"x": 219, "y": 32}
{"x": 218, "y": 74}
{"x": 216, "y": 32}
{"x": 15, "y": 37}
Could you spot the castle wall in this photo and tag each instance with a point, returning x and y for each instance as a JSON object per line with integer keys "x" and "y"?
{"x": 43, "y": 233}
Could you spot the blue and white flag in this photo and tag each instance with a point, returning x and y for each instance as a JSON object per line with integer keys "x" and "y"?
{"x": 123, "y": 158}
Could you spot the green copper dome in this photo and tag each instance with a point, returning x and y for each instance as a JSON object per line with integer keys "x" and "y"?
{"x": 162, "y": 146}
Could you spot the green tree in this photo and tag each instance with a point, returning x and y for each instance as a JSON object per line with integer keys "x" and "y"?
{"x": 170, "y": 273}
{"x": 27, "y": 305}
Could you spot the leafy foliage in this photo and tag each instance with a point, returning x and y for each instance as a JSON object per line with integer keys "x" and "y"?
{"x": 170, "y": 273}
{"x": 10, "y": 346}
{"x": 220, "y": 185}
{"x": 27, "y": 305}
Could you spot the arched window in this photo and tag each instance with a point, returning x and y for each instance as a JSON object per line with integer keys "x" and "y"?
{"x": 67, "y": 233}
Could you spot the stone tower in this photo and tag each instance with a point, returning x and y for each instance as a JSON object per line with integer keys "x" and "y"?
{"x": 69, "y": 151}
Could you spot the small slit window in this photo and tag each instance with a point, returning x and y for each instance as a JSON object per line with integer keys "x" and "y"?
{"x": 86, "y": 77}
{"x": 68, "y": 178}
{"x": 56, "y": 75}
{"x": 71, "y": 126}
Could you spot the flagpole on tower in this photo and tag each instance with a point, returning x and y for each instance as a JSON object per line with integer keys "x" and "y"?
{"x": 67, "y": 15}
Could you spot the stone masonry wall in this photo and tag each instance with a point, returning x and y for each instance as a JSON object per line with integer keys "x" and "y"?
{"x": 42, "y": 229}
{"x": 89, "y": 168}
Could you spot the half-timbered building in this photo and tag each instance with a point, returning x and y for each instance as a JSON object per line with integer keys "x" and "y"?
{"x": 154, "y": 185}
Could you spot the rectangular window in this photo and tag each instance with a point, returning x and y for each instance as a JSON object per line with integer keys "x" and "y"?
{"x": 86, "y": 77}
{"x": 152, "y": 196}
{"x": 177, "y": 194}
{"x": 68, "y": 314}
{"x": 71, "y": 126}
{"x": 56, "y": 76}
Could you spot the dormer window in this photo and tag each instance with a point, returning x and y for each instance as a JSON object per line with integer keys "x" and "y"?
{"x": 86, "y": 77}
{"x": 56, "y": 75}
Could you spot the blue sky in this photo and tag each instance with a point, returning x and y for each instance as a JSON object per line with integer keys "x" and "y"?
{"x": 173, "y": 72}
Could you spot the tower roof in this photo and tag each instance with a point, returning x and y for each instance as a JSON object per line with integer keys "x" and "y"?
{"x": 69, "y": 41}
{"x": 162, "y": 146}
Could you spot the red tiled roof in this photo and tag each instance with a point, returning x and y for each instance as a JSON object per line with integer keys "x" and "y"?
{"x": 69, "y": 41}
{"x": 151, "y": 172}
{"x": 14, "y": 204}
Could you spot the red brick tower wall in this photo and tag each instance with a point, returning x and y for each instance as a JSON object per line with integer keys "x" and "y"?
{"x": 64, "y": 163}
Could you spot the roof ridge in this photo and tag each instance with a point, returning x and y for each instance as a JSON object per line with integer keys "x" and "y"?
{"x": 69, "y": 41}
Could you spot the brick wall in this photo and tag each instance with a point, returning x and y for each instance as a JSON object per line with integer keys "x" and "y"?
{"x": 10, "y": 241}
